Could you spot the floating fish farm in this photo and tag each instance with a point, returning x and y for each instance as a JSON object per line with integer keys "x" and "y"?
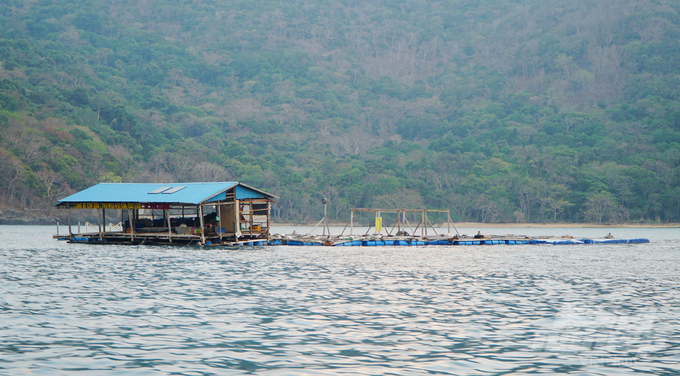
{"x": 372, "y": 241}
{"x": 399, "y": 234}
{"x": 233, "y": 214}
{"x": 378, "y": 241}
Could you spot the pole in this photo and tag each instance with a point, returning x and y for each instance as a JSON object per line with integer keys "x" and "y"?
{"x": 100, "y": 224}
{"x": 200, "y": 209}
{"x": 351, "y": 223}
{"x": 343, "y": 229}
{"x": 268, "y": 215}
{"x": 448, "y": 223}
{"x": 398, "y": 221}
{"x": 370, "y": 227}
{"x": 219, "y": 208}
{"x": 390, "y": 232}
{"x": 413, "y": 232}
{"x": 132, "y": 224}
{"x": 251, "y": 217}
{"x": 70, "y": 234}
{"x": 430, "y": 223}
{"x": 169, "y": 224}
{"x": 314, "y": 228}
{"x": 325, "y": 220}
{"x": 237, "y": 220}
{"x": 425, "y": 221}
{"x": 454, "y": 226}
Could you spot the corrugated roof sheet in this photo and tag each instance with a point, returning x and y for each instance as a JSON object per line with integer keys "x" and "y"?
{"x": 193, "y": 193}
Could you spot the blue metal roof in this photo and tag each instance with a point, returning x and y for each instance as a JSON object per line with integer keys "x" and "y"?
{"x": 192, "y": 193}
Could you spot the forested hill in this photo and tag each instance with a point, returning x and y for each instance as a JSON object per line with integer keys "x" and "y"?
{"x": 501, "y": 111}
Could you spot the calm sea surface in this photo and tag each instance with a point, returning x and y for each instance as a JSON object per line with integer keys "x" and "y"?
{"x": 485, "y": 310}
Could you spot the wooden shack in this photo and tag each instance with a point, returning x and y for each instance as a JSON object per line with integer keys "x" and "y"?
{"x": 176, "y": 213}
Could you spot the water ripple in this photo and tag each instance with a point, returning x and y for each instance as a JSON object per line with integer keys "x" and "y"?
{"x": 320, "y": 311}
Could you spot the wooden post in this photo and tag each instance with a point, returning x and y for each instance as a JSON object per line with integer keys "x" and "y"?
{"x": 70, "y": 234}
{"x": 351, "y": 222}
{"x": 219, "y": 211}
{"x": 103, "y": 219}
{"x": 325, "y": 220}
{"x": 167, "y": 215}
{"x": 131, "y": 217}
{"x": 422, "y": 219}
{"x": 268, "y": 214}
{"x": 448, "y": 223}
{"x": 250, "y": 217}
{"x": 200, "y": 211}
{"x": 100, "y": 224}
{"x": 398, "y": 221}
{"x": 237, "y": 220}
{"x": 425, "y": 223}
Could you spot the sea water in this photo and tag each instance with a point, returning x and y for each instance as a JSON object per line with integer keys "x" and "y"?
{"x": 490, "y": 310}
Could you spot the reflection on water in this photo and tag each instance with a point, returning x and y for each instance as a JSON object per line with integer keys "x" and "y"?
{"x": 604, "y": 309}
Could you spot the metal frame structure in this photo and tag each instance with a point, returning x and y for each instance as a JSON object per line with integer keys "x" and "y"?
{"x": 423, "y": 224}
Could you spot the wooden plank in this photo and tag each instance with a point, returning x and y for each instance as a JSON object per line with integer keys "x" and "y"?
{"x": 371, "y": 210}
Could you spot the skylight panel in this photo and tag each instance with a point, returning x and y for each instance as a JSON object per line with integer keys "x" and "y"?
{"x": 159, "y": 190}
{"x": 173, "y": 190}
